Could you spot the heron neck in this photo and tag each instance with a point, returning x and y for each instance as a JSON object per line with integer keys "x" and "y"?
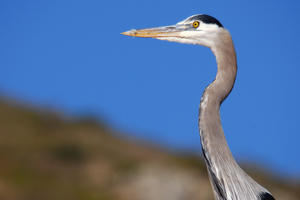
{"x": 228, "y": 180}
{"x": 211, "y": 131}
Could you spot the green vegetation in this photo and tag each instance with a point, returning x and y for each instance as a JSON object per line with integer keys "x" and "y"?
{"x": 44, "y": 155}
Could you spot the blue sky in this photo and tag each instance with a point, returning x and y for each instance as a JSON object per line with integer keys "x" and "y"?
{"x": 69, "y": 55}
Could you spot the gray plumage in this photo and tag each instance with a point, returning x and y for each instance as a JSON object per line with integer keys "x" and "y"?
{"x": 228, "y": 180}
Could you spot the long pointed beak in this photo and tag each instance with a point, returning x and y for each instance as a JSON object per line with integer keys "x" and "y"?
{"x": 164, "y": 31}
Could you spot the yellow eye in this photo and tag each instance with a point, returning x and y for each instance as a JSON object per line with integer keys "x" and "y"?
{"x": 196, "y": 24}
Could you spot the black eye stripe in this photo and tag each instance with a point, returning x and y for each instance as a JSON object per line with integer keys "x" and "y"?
{"x": 206, "y": 19}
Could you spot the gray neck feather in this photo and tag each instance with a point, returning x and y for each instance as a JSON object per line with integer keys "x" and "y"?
{"x": 229, "y": 181}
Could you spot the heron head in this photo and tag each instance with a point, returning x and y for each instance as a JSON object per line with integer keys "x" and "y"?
{"x": 197, "y": 29}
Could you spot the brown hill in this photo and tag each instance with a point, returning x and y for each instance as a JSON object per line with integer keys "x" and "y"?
{"x": 46, "y": 156}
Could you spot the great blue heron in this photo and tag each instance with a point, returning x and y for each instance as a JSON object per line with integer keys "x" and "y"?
{"x": 228, "y": 180}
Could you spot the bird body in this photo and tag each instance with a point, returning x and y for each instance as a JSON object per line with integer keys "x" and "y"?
{"x": 228, "y": 180}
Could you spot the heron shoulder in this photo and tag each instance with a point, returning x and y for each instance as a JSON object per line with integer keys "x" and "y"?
{"x": 266, "y": 196}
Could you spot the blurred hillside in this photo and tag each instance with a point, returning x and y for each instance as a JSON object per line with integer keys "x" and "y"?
{"x": 48, "y": 156}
